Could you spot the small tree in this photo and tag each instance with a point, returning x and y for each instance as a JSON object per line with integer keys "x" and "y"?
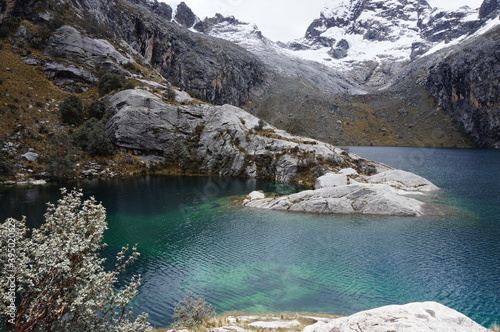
{"x": 97, "y": 109}
{"x": 109, "y": 82}
{"x": 72, "y": 110}
{"x": 60, "y": 167}
{"x": 260, "y": 125}
{"x": 60, "y": 161}
{"x": 6, "y": 168}
{"x": 57, "y": 274}
{"x": 192, "y": 311}
{"x": 92, "y": 138}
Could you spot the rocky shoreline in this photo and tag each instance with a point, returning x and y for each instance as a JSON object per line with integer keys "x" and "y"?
{"x": 418, "y": 316}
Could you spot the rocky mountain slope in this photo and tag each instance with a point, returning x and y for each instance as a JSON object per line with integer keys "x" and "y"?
{"x": 371, "y": 45}
{"x": 51, "y": 49}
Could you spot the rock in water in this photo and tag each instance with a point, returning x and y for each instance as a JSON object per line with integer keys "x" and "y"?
{"x": 347, "y": 192}
{"x": 421, "y": 317}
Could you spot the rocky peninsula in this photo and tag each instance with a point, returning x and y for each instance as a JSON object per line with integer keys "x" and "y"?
{"x": 229, "y": 141}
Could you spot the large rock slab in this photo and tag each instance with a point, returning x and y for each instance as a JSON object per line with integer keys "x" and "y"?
{"x": 274, "y": 325}
{"x": 348, "y": 192}
{"x": 421, "y": 317}
{"x": 223, "y": 140}
{"x": 377, "y": 199}
{"x": 69, "y": 43}
{"x": 403, "y": 180}
{"x": 330, "y": 180}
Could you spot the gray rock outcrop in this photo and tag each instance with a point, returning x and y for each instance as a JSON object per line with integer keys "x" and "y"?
{"x": 211, "y": 69}
{"x": 222, "y": 140}
{"x": 348, "y": 192}
{"x": 69, "y": 43}
{"x": 185, "y": 16}
{"x": 30, "y": 156}
{"x": 422, "y": 317}
{"x": 465, "y": 84}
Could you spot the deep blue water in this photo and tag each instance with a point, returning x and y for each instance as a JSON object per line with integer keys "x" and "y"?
{"x": 192, "y": 239}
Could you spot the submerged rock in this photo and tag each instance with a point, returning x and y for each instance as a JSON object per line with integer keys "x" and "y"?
{"x": 422, "y": 317}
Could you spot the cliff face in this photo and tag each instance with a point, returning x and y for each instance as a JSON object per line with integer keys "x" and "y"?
{"x": 214, "y": 70}
{"x": 465, "y": 83}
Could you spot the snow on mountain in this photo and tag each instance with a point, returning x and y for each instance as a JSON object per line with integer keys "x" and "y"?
{"x": 373, "y": 37}
{"x": 244, "y": 34}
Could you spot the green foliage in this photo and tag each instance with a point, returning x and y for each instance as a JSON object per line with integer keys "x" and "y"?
{"x": 72, "y": 110}
{"x": 260, "y": 125}
{"x": 97, "y": 109}
{"x": 4, "y": 31}
{"x": 192, "y": 311}
{"x": 60, "y": 167}
{"x": 60, "y": 281}
{"x": 196, "y": 94}
{"x": 169, "y": 94}
{"x": 109, "y": 82}
{"x": 6, "y": 168}
{"x": 60, "y": 164}
{"x": 92, "y": 138}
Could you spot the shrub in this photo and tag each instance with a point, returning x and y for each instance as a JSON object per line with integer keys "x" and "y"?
{"x": 192, "y": 311}
{"x": 60, "y": 167}
{"x": 72, "y": 110}
{"x": 169, "y": 94}
{"x": 97, "y": 109}
{"x": 4, "y": 31}
{"x": 60, "y": 281}
{"x": 109, "y": 82}
{"x": 92, "y": 138}
{"x": 6, "y": 168}
{"x": 260, "y": 125}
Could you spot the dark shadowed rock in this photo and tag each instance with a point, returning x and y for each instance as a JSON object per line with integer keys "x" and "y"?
{"x": 185, "y": 16}
{"x": 489, "y": 9}
{"x": 466, "y": 84}
{"x": 340, "y": 50}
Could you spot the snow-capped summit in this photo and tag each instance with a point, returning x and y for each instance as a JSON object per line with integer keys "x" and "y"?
{"x": 370, "y": 39}
{"x": 383, "y": 32}
{"x": 379, "y": 20}
{"x": 229, "y": 28}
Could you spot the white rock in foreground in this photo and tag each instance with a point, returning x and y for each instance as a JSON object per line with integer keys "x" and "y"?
{"x": 379, "y": 199}
{"x": 273, "y": 325}
{"x": 421, "y": 317}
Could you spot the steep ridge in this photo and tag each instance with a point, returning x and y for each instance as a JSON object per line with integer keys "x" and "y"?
{"x": 218, "y": 71}
{"x": 465, "y": 83}
{"x": 368, "y": 47}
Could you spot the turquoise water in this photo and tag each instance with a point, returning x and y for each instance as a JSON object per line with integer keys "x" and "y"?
{"x": 192, "y": 239}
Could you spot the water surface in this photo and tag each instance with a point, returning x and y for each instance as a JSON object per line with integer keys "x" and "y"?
{"x": 192, "y": 239}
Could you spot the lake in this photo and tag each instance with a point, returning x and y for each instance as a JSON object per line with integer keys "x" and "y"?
{"x": 192, "y": 238}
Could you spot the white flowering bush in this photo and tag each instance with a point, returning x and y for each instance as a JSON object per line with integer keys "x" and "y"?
{"x": 57, "y": 277}
{"x": 192, "y": 311}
